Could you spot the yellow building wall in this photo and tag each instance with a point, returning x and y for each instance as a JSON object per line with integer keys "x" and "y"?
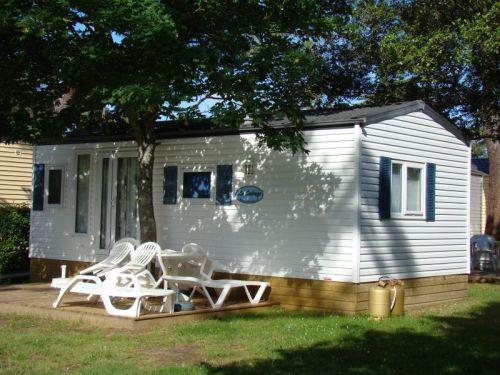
{"x": 15, "y": 173}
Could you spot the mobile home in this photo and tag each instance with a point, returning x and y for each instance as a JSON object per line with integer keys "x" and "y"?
{"x": 383, "y": 191}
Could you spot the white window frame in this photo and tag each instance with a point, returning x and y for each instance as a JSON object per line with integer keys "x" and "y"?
{"x": 405, "y": 213}
{"x": 48, "y": 168}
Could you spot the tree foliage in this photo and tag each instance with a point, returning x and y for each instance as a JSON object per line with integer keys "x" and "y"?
{"x": 119, "y": 65}
{"x": 444, "y": 52}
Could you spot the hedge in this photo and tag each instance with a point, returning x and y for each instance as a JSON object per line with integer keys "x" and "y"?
{"x": 14, "y": 238}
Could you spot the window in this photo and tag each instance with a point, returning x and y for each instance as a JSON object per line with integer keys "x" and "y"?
{"x": 82, "y": 193}
{"x": 407, "y": 181}
{"x": 196, "y": 185}
{"x": 407, "y": 190}
{"x": 38, "y": 186}
{"x": 55, "y": 187}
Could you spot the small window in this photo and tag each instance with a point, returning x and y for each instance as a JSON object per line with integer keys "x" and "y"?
{"x": 407, "y": 182}
{"x": 55, "y": 186}
{"x": 38, "y": 186}
{"x": 82, "y": 193}
{"x": 196, "y": 185}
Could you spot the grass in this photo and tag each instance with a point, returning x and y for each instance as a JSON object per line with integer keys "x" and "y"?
{"x": 455, "y": 338}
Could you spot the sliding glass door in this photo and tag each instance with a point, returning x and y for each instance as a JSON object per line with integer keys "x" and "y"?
{"x": 118, "y": 199}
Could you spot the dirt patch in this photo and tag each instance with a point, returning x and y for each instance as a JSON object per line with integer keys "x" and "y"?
{"x": 175, "y": 355}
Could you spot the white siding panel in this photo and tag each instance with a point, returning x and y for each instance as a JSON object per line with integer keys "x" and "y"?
{"x": 52, "y": 231}
{"x": 476, "y": 205}
{"x": 413, "y": 247}
{"x": 302, "y": 228}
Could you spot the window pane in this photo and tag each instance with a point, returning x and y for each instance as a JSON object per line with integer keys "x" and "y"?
{"x": 414, "y": 189}
{"x": 396, "y": 187}
{"x": 196, "y": 185}
{"x": 104, "y": 203}
{"x": 82, "y": 193}
{"x": 55, "y": 186}
{"x": 126, "y": 198}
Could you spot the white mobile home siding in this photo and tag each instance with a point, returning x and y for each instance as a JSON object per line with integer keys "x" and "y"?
{"x": 406, "y": 248}
{"x": 302, "y": 228}
{"x": 52, "y": 231}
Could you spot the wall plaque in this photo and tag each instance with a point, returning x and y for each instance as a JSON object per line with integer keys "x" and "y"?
{"x": 249, "y": 194}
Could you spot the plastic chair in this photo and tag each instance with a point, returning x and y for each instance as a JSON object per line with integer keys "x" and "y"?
{"x": 483, "y": 252}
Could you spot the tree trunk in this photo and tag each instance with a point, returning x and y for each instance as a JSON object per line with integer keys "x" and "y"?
{"x": 145, "y": 195}
{"x": 146, "y": 142}
{"x": 493, "y": 203}
{"x": 492, "y": 132}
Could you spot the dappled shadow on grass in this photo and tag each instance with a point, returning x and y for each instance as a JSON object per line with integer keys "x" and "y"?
{"x": 455, "y": 345}
{"x": 274, "y": 314}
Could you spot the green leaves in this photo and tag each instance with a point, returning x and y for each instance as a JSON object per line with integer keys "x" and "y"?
{"x": 445, "y": 52}
{"x": 143, "y": 59}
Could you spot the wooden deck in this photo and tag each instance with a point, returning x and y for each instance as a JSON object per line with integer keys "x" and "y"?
{"x": 37, "y": 298}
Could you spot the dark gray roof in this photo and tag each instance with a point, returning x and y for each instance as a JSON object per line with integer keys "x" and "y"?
{"x": 366, "y": 114}
{"x": 373, "y": 114}
{"x": 314, "y": 119}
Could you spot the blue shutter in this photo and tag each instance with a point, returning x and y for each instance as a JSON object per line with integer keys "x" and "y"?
{"x": 384, "y": 193}
{"x": 430, "y": 195}
{"x": 170, "y": 185}
{"x": 224, "y": 185}
{"x": 38, "y": 186}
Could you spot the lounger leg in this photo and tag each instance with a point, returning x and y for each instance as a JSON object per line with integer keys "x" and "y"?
{"x": 222, "y": 296}
{"x": 93, "y": 298}
{"x": 132, "y": 312}
{"x": 63, "y": 291}
{"x": 258, "y": 295}
{"x": 168, "y": 304}
{"x": 208, "y": 296}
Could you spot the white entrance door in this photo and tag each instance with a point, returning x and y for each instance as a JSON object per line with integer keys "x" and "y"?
{"x": 118, "y": 199}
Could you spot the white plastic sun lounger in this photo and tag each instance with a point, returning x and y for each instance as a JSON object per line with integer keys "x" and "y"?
{"x": 118, "y": 253}
{"x": 94, "y": 286}
{"x": 204, "y": 280}
{"x": 223, "y": 287}
{"x": 140, "y": 259}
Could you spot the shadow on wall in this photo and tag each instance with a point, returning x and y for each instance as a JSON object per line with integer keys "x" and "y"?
{"x": 302, "y": 227}
{"x": 459, "y": 345}
{"x": 23, "y": 199}
{"x": 386, "y": 248}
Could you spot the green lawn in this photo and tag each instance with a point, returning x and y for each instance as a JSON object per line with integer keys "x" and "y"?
{"x": 456, "y": 338}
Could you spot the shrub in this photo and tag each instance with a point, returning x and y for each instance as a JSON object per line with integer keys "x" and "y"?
{"x": 14, "y": 238}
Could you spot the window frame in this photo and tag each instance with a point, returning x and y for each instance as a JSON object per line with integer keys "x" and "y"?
{"x": 405, "y": 213}
{"x": 54, "y": 167}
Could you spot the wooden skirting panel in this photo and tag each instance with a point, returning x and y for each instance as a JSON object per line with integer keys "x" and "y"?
{"x": 46, "y": 269}
{"x": 424, "y": 291}
{"x": 348, "y": 298}
{"x": 303, "y": 294}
